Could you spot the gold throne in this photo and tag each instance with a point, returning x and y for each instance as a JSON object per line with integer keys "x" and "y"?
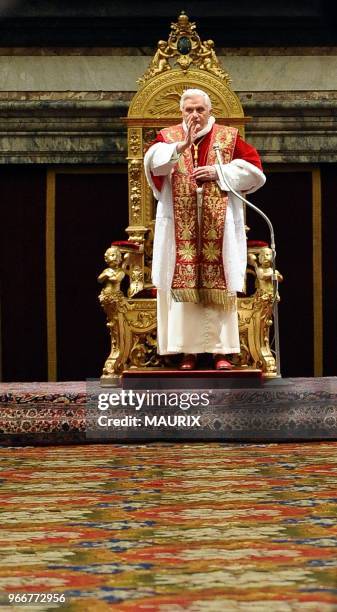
{"x": 128, "y": 296}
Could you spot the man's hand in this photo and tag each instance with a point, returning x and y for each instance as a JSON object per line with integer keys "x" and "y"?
{"x": 205, "y": 173}
{"x": 193, "y": 127}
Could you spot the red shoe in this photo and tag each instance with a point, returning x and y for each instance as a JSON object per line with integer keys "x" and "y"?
{"x": 220, "y": 363}
{"x": 188, "y": 362}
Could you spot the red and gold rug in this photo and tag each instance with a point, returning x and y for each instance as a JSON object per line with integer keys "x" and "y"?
{"x": 66, "y": 413}
{"x": 171, "y": 527}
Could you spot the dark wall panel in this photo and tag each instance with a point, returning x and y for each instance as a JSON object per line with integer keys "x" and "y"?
{"x": 91, "y": 212}
{"x": 329, "y": 231}
{"x": 22, "y": 273}
{"x": 286, "y": 199}
{"x": 107, "y": 23}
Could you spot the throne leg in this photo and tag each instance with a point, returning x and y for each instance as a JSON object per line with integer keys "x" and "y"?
{"x": 255, "y": 321}
{"x": 120, "y": 338}
{"x": 259, "y": 333}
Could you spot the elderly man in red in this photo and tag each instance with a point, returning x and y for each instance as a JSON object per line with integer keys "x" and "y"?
{"x": 199, "y": 251}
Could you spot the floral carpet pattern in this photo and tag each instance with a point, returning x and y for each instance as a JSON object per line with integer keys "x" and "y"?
{"x": 65, "y": 413}
{"x": 171, "y": 527}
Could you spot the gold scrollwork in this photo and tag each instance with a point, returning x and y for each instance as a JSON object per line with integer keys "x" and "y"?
{"x": 134, "y": 138}
{"x": 135, "y": 200}
{"x": 135, "y": 189}
{"x": 144, "y": 351}
{"x": 136, "y": 280}
{"x": 136, "y": 234}
{"x": 166, "y": 103}
{"x": 148, "y": 101}
{"x": 144, "y": 320}
{"x": 135, "y": 168}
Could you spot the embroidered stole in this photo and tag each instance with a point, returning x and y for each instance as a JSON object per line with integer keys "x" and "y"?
{"x": 199, "y": 275}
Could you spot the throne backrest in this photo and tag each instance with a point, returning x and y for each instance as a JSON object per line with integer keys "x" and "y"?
{"x": 180, "y": 63}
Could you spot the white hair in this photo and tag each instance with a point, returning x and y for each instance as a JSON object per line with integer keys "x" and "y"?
{"x": 190, "y": 93}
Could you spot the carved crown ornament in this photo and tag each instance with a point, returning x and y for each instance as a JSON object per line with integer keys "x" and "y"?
{"x": 183, "y": 50}
{"x": 182, "y": 62}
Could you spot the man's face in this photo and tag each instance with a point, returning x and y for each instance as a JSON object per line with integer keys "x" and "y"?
{"x": 195, "y": 110}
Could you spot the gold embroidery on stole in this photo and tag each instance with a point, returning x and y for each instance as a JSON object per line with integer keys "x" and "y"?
{"x": 199, "y": 275}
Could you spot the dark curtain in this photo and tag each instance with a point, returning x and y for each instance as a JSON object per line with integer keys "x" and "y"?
{"x": 22, "y": 273}
{"x": 286, "y": 198}
{"x": 91, "y": 212}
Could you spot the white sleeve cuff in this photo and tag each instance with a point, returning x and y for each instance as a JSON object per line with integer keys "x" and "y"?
{"x": 161, "y": 158}
{"x": 240, "y": 176}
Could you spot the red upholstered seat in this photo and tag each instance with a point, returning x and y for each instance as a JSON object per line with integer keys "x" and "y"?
{"x": 134, "y": 246}
{"x": 256, "y": 243}
{"x": 147, "y": 293}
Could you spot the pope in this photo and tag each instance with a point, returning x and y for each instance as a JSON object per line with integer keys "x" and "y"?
{"x": 199, "y": 251}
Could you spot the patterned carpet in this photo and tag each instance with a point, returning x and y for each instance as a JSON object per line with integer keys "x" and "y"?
{"x": 66, "y": 413}
{"x": 171, "y": 527}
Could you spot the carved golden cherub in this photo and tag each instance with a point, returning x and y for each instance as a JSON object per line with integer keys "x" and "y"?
{"x": 160, "y": 61}
{"x": 208, "y": 56}
{"x": 114, "y": 273}
{"x": 263, "y": 264}
{"x": 209, "y": 60}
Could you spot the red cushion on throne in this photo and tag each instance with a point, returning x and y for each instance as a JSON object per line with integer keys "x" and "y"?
{"x": 126, "y": 243}
{"x": 148, "y": 293}
{"x": 257, "y": 243}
